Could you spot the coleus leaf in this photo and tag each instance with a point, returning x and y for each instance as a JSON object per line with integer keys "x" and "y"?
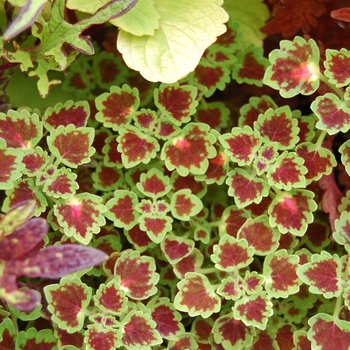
{"x": 188, "y": 151}
{"x": 245, "y": 187}
{"x": 61, "y": 184}
{"x": 215, "y": 114}
{"x": 109, "y": 298}
{"x": 254, "y": 310}
{"x": 154, "y": 184}
{"x": 241, "y": 144}
{"x": 280, "y": 270}
{"x": 232, "y": 333}
{"x": 327, "y": 332}
{"x": 116, "y": 108}
{"x": 190, "y": 182}
{"x": 183, "y": 341}
{"x": 154, "y": 208}
{"x": 166, "y": 317}
{"x": 42, "y": 339}
{"x": 138, "y": 331}
{"x": 67, "y": 301}
{"x": 71, "y": 145}
{"x": 76, "y": 113}
{"x": 318, "y": 160}
{"x": 176, "y": 103}
{"x": 342, "y": 233}
{"x": 292, "y": 211}
{"x": 25, "y": 189}
{"x": 190, "y": 263}
{"x": 136, "y": 275}
{"x": 267, "y": 154}
{"x": 250, "y": 66}
{"x": 322, "y": 274}
{"x": 121, "y": 209}
{"x": 10, "y": 164}
{"x": 112, "y": 156}
{"x": 20, "y": 129}
{"x": 136, "y": 147}
{"x": 250, "y": 112}
{"x": 184, "y": 204}
{"x": 35, "y": 160}
{"x": 287, "y": 172}
{"x": 231, "y": 288}
{"x": 260, "y": 235}
{"x": 169, "y": 68}
{"x": 232, "y": 219}
{"x": 80, "y": 216}
{"x": 294, "y": 67}
{"x": 7, "y": 334}
{"x": 209, "y": 76}
{"x": 278, "y": 126}
{"x": 344, "y": 150}
{"x": 201, "y": 329}
{"x": 333, "y": 114}
{"x": 196, "y": 296}
{"x": 337, "y": 66}
{"x": 107, "y": 178}
{"x": 175, "y": 248}
{"x": 156, "y": 226}
{"x": 75, "y": 340}
{"x": 231, "y": 254}
{"x": 97, "y": 337}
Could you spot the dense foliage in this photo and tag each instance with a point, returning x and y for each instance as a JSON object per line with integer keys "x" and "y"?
{"x": 175, "y": 176}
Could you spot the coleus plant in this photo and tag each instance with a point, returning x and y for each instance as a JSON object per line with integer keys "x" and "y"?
{"x": 226, "y": 223}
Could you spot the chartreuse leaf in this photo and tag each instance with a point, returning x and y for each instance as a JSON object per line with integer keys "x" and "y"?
{"x": 232, "y": 333}
{"x": 231, "y": 288}
{"x": 154, "y": 184}
{"x": 344, "y": 150}
{"x": 241, "y": 144}
{"x": 189, "y": 151}
{"x": 292, "y": 211}
{"x": 333, "y": 113}
{"x": 246, "y": 188}
{"x": 116, "y": 108}
{"x": 121, "y": 209}
{"x": 318, "y": 160}
{"x": 136, "y": 147}
{"x": 67, "y": 302}
{"x": 138, "y": 331}
{"x": 168, "y": 320}
{"x": 184, "y": 204}
{"x": 20, "y": 129}
{"x": 278, "y": 125}
{"x": 76, "y": 113}
{"x": 164, "y": 56}
{"x": 197, "y": 296}
{"x": 35, "y": 161}
{"x": 323, "y": 274}
{"x": 251, "y": 16}
{"x": 110, "y": 298}
{"x": 231, "y": 254}
{"x": 136, "y": 275}
{"x": 16, "y": 217}
{"x": 25, "y": 18}
{"x": 11, "y": 165}
{"x": 71, "y": 145}
{"x": 327, "y": 332}
{"x": 287, "y": 172}
{"x": 254, "y": 310}
{"x": 176, "y": 103}
{"x": 280, "y": 271}
{"x": 260, "y": 235}
{"x": 33, "y": 338}
{"x": 294, "y": 67}
{"x": 80, "y": 216}
{"x": 337, "y": 67}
